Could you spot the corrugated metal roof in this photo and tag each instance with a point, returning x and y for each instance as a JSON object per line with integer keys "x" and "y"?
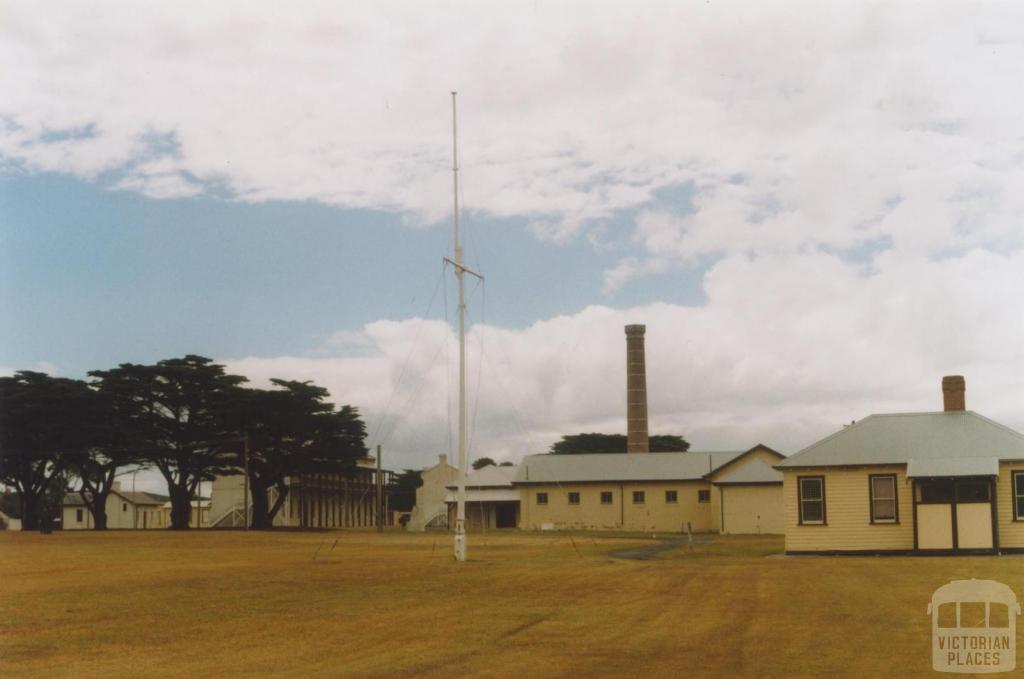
{"x": 753, "y": 471}
{"x": 621, "y": 466}
{"x": 490, "y": 476}
{"x": 898, "y": 438}
{"x": 486, "y": 495}
{"x": 953, "y": 466}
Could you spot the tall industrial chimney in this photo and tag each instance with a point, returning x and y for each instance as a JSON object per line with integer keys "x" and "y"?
{"x": 954, "y": 390}
{"x": 636, "y": 391}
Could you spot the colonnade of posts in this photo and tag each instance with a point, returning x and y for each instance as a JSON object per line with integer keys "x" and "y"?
{"x": 340, "y": 500}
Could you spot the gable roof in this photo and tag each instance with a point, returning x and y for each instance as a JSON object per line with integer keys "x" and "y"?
{"x": 136, "y": 498}
{"x": 901, "y": 437}
{"x": 739, "y": 458}
{"x": 609, "y": 467}
{"x": 755, "y": 471}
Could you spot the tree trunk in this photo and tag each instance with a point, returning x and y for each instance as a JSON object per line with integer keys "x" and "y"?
{"x": 260, "y": 505}
{"x": 97, "y": 506}
{"x": 29, "y": 511}
{"x": 282, "y": 496}
{"x": 181, "y": 507}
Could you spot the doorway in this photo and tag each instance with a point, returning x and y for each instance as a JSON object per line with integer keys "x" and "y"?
{"x": 954, "y": 514}
{"x": 505, "y": 514}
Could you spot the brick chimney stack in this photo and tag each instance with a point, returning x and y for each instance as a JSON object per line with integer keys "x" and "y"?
{"x": 954, "y": 390}
{"x": 636, "y": 391}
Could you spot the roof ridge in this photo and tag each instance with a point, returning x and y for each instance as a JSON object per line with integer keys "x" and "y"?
{"x": 844, "y": 429}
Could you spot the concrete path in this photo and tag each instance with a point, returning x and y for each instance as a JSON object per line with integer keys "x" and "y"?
{"x": 646, "y": 552}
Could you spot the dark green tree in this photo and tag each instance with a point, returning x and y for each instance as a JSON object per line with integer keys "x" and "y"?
{"x": 403, "y": 491}
{"x": 292, "y": 430}
{"x": 574, "y": 444}
{"x": 481, "y": 462}
{"x": 177, "y": 411}
{"x": 115, "y": 444}
{"x": 44, "y": 421}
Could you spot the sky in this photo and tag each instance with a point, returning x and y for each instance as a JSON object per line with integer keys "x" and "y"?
{"x": 815, "y": 208}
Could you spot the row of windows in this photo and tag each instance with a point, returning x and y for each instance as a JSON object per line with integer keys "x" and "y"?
{"x": 884, "y": 505}
{"x": 639, "y": 497}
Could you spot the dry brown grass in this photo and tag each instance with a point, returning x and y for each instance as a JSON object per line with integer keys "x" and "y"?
{"x": 161, "y": 604}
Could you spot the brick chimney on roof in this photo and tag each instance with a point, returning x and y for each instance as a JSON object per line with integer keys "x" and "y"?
{"x": 636, "y": 391}
{"x": 954, "y": 390}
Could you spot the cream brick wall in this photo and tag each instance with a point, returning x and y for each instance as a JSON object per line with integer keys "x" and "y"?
{"x": 848, "y": 513}
{"x": 752, "y": 509}
{"x": 655, "y": 514}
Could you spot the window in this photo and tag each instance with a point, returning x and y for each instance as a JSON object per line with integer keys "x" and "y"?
{"x": 883, "y": 498}
{"x": 606, "y": 497}
{"x": 78, "y": 515}
{"x": 1018, "y": 496}
{"x": 972, "y": 490}
{"x": 124, "y": 506}
{"x": 638, "y": 497}
{"x": 671, "y": 497}
{"x": 542, "y": 498}
{"x": 936, "y": 491}
{"x": 703, "y": 496}
{"x": 574, "y": 498}
{"x": 811, "y": 491}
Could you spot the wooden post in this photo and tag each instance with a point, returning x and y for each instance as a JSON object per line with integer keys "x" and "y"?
{"x": 245, "y": 486}
{"x": 380, "y": 495}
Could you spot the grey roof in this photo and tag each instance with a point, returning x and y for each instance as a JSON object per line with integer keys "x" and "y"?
{"x": 901, "y": 437}
{"x": 491, "y": 476}
{"x": 621, "y": 466}
{"x": 754, "y": 471}
{"x": 953, "y": 466}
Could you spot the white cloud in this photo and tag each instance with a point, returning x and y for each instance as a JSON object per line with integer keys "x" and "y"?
{"x": 788, "y": 348}
{"x": 570, "y": 111}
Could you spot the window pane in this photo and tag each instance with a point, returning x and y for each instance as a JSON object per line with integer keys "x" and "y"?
{"x": 638, "y": 497}
{"x": 947, "y": 616}
{"x": 811, "y": 510}
{"x": 972, "y": 614}
{"x": 606, "y": 498}
{"x": 937, "y": 491}
{"x": 1020, "y": 507}
{"x": 998, "y": 615}
{"x": 810, "y": 489}
{"x": 574, "y": 498}
{"x": 885, "y": 510}
{"x": 883, "y": 487}
{"x": 972, "y": 491}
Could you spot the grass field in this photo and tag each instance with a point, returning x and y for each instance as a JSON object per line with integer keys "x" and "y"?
{"x": 219, "y": 604}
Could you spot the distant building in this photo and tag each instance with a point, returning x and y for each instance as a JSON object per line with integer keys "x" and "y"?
{"x": 948, "y": 482}
{"x": 665, "y": 492}
{"x": 125, "y": 510}
{"x": 491, "y": 499}
{"x": 314, "y": 500}
{"x": 430, "y": 510}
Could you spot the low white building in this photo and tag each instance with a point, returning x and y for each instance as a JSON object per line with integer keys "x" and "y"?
{"x": 125, "y": 510}
{"x": 430, "y": 510}
{"x": 491, "y": 499}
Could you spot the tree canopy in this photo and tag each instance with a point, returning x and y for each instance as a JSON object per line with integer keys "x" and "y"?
{"x": 45, "y": 422}
{"x": 175, "y": 412}
{"x": 292, "y": 430}
{"x": 481, "y": 462}
{"x": 575, "y": 444}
